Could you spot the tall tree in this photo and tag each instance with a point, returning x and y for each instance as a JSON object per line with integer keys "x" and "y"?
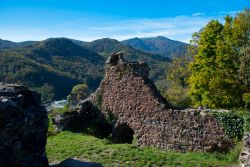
{"x": 242, "y": 33}
{"x": 221, "y": 66}
{"x": 178, "y": 74}
{"x": 242, "y": 36}
{"x": 225, "y": 87}
{"x": 203, "y": 67}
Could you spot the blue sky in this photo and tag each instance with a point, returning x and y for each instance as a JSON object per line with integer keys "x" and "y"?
{"x": 88, "y": 20}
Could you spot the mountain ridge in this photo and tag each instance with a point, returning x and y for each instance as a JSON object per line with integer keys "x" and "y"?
{"x": 58, "y": 64}
{"x": 157, "y": 63}
{"x": 37, "y": 64}
{"x": 158, "y": 45}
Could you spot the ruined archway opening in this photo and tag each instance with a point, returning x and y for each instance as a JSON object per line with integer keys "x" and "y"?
{"x": 122, "y": 133}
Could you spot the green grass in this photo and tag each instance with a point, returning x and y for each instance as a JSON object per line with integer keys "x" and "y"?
{"x": 88, "y": 148}
{"x": 51, "y": 129}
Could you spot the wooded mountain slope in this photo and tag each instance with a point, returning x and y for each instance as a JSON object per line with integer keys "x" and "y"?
{"x": 57, "y": 64}
{"x": 158, "y": 45}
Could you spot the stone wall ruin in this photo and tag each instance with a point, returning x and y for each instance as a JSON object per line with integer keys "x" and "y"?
{"x": 135, "y": 102}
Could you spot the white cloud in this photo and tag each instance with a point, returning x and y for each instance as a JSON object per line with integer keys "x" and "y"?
{"x": 198, "y": 14}
{"x": 178, "y": 28}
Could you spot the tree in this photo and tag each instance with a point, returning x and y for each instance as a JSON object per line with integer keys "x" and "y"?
{"x": 244, "y": 72}
{"x": 79, "y": 92}
{"x": 177, "y": 90}
{"x": 203, "y": 67}
{"x": 220, "y": 71}
{"x": 242, "y": 33}
{"x": 225, "y": 87}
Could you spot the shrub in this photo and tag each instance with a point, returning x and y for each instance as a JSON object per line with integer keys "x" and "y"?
{"x": 177, "y": 95}
{"x": 246, "y": 115}
{"x": 110, "y": 117}
{"x": 247, "y": 124}
{"x": 79, "y": 92}
{"x": 246, "y": 99}
{"x": 51, "y": 129}
{"x": 232, "y": 123}
{"x": 99, "y": 99}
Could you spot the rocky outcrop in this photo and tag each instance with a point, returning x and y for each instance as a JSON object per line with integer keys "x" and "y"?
{"x": 245, "y": 154}
{"x": 85, "y": 116}
{"x": 23, "y": 128}
{"x": 141, "y": 111}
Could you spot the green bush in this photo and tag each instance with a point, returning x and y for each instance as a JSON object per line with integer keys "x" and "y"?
{"x": 177, "y": 95}
{"x": 247, "y": 124}
{"x": 246, "y": 115}
{"x": 232, "y": 123}
{"x": 110, "y": 117}
{"x": 51, "y": 128}
{"x": 79, "y": 92}
{"x": 99, "y": 99}
{"x": 246, "y": 99}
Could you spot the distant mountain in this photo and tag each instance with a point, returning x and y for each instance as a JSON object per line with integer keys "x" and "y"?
{"x": 78, "y": 42}
{"x": 157, "y": 63}
{"x": 5, "y": 44}
{"x": 16, "y": 68}
{"x": 59, "y": 62}
{"x": 158, "y": 45}
{"x": 46, "y": 51}
{"x": 55, "y": 65}
{"x": 107, "y": 46}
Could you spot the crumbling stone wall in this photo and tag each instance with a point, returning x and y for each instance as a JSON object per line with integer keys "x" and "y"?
{"x": 245, "y": 153}
{"x": 83, "y": 117}
{"x": 127, "y": 92}
{"x": 23, "y": 128}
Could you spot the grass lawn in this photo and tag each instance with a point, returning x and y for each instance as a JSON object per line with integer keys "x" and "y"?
{"x": 88, "y": 148}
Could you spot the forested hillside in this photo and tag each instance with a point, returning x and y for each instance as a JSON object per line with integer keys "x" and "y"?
{"x": 52, "y": 67}
{"x": 55, "y": 65}
{"x": 16, "y": 68}
{"x": 159, "y": 45}
{"x": 157, "y": 63}
{"x": 5, "y": 44}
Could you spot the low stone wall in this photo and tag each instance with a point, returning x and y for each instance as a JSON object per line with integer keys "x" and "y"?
{"x": 23, "y": 128}
{"x": 245, "y": 153}
{"x": 136, "y": 104}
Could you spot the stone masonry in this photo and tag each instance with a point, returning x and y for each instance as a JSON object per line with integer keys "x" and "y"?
{"x": 23, "y": 128}
{"x": 136, "y": 104}
{"x": 245, "y": 153}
